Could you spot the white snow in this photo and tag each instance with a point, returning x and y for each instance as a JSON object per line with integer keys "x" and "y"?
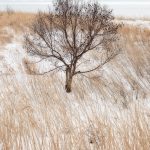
{"x": 137, "y": 23}
{"x": 93, "y": 102}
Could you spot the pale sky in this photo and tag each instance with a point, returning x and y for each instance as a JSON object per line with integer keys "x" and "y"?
{"x": 120, "y": 1}
{"x": 138, "y": 8}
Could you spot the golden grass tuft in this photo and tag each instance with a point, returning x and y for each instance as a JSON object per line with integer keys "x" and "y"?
{"x": 16, "y": 20}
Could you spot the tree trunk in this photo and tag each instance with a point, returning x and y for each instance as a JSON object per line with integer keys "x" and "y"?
{"x": 68, "y": 81}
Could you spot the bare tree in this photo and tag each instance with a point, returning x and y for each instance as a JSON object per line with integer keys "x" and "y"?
{"x": 68, "y": 33}
{"x": 9, "y": 10}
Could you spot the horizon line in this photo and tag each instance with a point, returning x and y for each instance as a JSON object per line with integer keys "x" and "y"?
{"x": 104, "y": 3}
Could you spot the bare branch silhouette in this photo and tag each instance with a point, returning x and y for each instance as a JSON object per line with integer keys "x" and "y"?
{"x": 70, "y": 32}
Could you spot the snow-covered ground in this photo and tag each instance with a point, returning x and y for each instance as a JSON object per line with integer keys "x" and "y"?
{"x": 137, "y": 23}
{"x": 112, "y": 96}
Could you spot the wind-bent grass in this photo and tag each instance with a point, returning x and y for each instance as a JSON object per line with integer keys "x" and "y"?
{"x": 17, "y": 21}
{"x": 38, "y": 115}
{"x": 108, "y": 111}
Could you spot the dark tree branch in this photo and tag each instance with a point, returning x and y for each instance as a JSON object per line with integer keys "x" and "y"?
{"x": 71, "y": 31}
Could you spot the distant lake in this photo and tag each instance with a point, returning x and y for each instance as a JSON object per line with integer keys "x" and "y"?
{"x": 119, "y": 10}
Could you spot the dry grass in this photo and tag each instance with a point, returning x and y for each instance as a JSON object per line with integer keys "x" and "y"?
{"x": 37, "y": 115}
{"x": 18, "y": 21}
{"x": 133, "y": 18}
{"x": 107, "y": 112}
{"x": 136, "y": 42}
{"x": 5, "y": 37}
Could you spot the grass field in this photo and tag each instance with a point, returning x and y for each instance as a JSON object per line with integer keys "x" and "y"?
{"x": 108, "y": 111}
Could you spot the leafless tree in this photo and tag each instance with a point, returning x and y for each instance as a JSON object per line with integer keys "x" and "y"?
{"x": 69, "y": 32}
{"x": 9, "y": 10}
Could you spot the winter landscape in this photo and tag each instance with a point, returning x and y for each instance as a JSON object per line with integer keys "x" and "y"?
{"x": 106, "y": 109}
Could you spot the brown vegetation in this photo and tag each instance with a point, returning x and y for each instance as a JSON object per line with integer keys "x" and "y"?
{"x": 35, "y": 114}
{"x": 16, "y": 21}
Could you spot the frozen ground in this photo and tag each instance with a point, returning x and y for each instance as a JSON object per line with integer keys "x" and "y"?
{"x": 111, "y": 97}
{"x": 137, "y": 22}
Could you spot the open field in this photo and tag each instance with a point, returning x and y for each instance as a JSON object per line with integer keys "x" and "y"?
{"x": 108, "y": 111}
{"x": 17, "y": 21}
